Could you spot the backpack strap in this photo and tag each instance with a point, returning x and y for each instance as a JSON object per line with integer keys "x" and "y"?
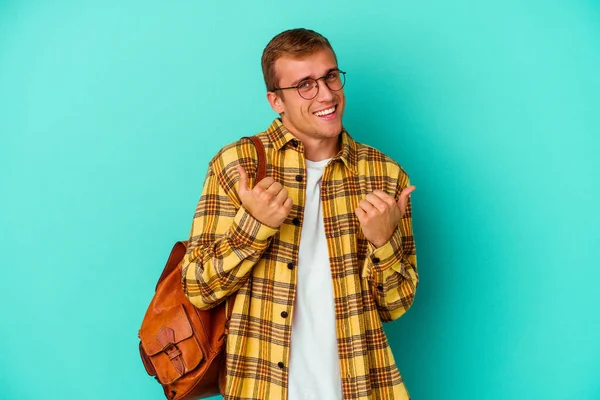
{"x": 261, "y": 173}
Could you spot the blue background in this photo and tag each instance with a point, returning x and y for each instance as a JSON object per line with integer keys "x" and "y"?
{"x": 110, "y": 111}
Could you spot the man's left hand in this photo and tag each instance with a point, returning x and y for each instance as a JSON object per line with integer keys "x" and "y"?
{"x": 379, "y": 214}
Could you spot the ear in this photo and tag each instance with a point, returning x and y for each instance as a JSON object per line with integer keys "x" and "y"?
{"x": 276, "y": 102}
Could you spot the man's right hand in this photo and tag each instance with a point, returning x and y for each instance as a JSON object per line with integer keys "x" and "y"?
{"x": 268, "y": 201}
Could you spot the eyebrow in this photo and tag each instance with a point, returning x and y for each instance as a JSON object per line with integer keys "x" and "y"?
{"x": 295, "y": 83}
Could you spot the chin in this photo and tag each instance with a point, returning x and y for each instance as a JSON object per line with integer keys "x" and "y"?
{"x": 331, "y": 132}
{"x": 336, "y": 128}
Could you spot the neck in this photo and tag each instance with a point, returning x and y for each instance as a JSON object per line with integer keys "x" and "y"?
{"x": 320, "y": 149}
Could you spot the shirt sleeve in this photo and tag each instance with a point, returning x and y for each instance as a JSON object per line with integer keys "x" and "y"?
{"x": 391, "y": 269}
{"x": 226, "y": 241}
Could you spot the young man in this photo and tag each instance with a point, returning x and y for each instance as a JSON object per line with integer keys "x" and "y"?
{"x": 319, "y": 253}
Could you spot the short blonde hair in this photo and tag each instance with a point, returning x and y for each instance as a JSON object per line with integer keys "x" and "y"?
{"x": 295, "y": 43}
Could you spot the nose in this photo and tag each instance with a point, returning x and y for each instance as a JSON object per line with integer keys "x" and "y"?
{"x": 325, "y": 94}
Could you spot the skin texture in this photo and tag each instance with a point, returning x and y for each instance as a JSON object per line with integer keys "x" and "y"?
{"x": 379, "y": 215}
{"x": 268, "y": 202}
{"x": 319, "y": 135}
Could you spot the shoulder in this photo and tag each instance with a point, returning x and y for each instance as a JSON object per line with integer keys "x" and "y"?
{"x": 241, "y": 152}
{"x": 373, "y": 162}
{"x": 237, "y": 152}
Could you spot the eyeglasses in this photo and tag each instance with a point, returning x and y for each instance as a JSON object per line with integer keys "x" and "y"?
{"x": 309, "y": 88}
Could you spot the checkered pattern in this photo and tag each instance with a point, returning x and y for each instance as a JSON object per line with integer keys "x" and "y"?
{"x": 231, "y": 251}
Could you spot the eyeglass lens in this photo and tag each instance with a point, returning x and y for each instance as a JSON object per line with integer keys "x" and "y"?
{"x": 309, "y": 88}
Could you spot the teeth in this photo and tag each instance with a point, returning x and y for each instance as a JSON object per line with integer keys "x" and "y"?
{"x": 325, "y": 112}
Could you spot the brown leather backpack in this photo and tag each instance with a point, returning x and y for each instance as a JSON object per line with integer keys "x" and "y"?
{"x": 182, "y": 346}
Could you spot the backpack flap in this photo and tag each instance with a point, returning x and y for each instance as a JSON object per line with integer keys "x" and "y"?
{"x": 170, "y": 344}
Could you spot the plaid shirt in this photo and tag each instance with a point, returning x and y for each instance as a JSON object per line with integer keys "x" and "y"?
{"x": 230, "y": 251}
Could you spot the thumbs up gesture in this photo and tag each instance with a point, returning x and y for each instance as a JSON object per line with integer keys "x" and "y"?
{"x": 268, "y": 201}
{"x": 379, "y": 214}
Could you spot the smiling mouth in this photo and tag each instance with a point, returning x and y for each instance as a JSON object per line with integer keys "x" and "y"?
{"x": 327, "y": 113}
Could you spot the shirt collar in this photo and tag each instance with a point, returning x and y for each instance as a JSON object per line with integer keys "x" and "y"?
{"x": 280, "y": 136}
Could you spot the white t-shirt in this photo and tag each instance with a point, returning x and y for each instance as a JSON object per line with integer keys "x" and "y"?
{"x": 314, "y": 370}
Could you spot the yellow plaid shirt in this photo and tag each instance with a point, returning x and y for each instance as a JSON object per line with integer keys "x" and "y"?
{"x": 230, "y": 251}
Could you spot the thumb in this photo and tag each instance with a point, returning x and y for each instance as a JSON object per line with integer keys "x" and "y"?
{"x": 403, "y": 200}
{"x": 243, "y": 179}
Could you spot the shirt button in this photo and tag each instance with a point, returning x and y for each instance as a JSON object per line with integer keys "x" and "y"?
{"x": 299, "y": 178}
{"x": 376, "y": 260}
{"x": 284, "y": 314}
{"x": 290, "y": 265}
{"x": 296, "y": 221}
{"x": 294, "y": 142}
{"x": 280, "y": 364}
{"x": 380, "y": 287}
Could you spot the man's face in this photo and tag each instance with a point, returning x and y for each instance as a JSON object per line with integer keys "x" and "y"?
{"x": 318, "y": 118}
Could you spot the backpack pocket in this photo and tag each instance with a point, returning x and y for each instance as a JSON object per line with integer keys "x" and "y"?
{"x": 170, "y": 345}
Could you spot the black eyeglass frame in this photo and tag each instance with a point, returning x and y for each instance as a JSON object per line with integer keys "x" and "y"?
{"x": 317, "y": 82}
